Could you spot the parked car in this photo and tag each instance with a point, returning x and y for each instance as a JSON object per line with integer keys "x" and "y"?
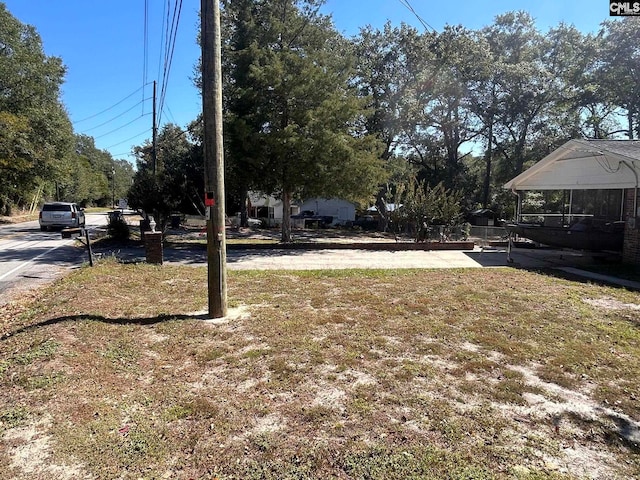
{"x": 61, "y": 215}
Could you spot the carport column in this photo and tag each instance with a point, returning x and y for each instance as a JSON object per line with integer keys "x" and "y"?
{"x": 631, "y": 247}
{"x": 153, "y": 247}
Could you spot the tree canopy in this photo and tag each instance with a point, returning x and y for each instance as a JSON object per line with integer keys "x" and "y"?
{"x": 35, "y": 132}
{"x": 40, "y": 157}
{"x": 309, "y": 112}
{"x": 295, "y": 124}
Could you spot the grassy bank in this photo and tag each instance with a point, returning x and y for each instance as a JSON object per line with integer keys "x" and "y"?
{"x": 482, "y": 374}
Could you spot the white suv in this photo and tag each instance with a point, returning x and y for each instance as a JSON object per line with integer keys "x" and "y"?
{"x": 61, "y": 215}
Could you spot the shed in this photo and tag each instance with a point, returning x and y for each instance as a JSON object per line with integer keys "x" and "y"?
{"x": 482, "y": 217}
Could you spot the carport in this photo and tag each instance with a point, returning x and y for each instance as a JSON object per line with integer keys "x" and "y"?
{"x": 589, "y": 165}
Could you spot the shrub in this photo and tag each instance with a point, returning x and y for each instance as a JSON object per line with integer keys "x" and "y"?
{"x": 118, "y": 228}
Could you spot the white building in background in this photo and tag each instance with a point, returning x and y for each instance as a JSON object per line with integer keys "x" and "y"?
{"x": 269, "y": 209}
{"x": 342, "y": 211}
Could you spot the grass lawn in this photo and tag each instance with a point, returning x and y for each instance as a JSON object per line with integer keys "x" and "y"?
{"x": 423, "y": 374}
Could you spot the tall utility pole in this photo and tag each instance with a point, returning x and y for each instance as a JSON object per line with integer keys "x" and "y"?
{"x": 154, "y": 133}
{"x": 213, "y": 157}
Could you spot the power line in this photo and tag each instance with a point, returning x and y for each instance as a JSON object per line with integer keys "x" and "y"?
{"x": 109, "y": 108}
{"x": 164, "y": 33}
{"x": 116, "y": 117}
{"x": 420, "y": 19}
{"x": 145, "y": 48}
{"x": 169, "y": 51}
{"x": 121, "y": 154}
{"x": 128, "y": 139}
{"x": 166, "y": 107}
{"x": 121, "y": 127}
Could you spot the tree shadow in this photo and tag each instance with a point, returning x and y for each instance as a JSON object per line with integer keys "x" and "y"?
{"x": 625, "y": 434}
{"x": 142, "y": 321}
{"x": 65, "y": 254}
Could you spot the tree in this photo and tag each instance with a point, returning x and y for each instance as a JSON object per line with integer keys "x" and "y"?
{"x": 292, "y": 105}
{"x": 440, "y": 108}
{"x": 619, "y": 70}
{"x": 419, "y": 207}
{"x": 532, "y": 94}
{"x": 244, "y": 152}
{"x": 177, "y": 183}
{"x": 388, "y": 63}
{"x": 37, "y": 134}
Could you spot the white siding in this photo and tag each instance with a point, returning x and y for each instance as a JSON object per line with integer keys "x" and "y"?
{"x": 342, "y": 211}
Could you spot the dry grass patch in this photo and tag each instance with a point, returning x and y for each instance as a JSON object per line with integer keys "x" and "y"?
{"x": 483, "y": 374}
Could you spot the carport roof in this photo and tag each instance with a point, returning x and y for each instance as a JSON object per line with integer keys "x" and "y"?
{"x": 584, "y": 165}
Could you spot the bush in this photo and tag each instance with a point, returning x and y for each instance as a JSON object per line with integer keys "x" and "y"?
{"x": 118, "y": 228}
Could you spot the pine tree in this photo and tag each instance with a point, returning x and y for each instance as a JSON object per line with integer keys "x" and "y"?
{"x": 294, "y": 122}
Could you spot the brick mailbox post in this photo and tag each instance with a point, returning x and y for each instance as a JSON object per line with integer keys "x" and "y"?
{"x": 153, "y": 244}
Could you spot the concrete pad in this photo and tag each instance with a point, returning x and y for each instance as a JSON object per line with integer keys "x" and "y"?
{"x": 279, "y": 259}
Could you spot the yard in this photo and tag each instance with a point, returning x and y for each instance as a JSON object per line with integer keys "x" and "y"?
{"x": 448, "y": 374}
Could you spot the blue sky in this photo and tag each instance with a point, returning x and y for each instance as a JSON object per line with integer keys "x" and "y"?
{"x": 101, "y": 42}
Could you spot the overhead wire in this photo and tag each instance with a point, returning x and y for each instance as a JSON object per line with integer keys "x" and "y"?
{"x": 122, "y": 126}
{"x": 169, "y": 52}
{"x": 171, "y": 19}
{"x": 108, "y": 108}
{"x": 406, "y": 3}
{"x": 128, "y": 139}
{"x": 117, "y": 116}
{"x": 164, "y": 33}
{"x": 170, "y": 113}
{"x": 145, "y": 48}
{"x": 142, "y": 102}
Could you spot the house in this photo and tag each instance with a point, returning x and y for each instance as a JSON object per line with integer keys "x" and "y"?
{"x": 606, "y": 170}
{"x": 342, "y": 211}
{"x": 268, "y": 209}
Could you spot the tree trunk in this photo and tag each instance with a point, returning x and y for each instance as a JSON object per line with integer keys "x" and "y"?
{"x": 244, "y": 215}
{"x": 382, "y": 211}
{"x": 488, "y": 157}
{"x": 286, "y": 217}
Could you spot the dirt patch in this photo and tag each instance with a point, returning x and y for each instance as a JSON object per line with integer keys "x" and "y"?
{"x": 31, "y": 453}
{"x": 609, "y": 303}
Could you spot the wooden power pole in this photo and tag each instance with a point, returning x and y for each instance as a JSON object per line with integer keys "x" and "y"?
{"x": 213, "y": 157}
{"x": 154, "y": 137}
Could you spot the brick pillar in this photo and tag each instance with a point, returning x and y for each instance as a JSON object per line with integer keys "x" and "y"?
{"x": 153, "y": 247}
{"x": 631, "y": 247}
{"x": 629, "y": 199}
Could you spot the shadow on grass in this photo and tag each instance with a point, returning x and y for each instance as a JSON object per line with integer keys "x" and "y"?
{"x": 625, "y": 434}
{"x": 110, "y": 321}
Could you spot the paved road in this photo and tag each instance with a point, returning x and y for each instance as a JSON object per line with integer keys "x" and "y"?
{"x": 29, "y": 257}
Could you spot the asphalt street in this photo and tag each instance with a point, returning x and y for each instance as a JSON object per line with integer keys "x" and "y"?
{"x": 29, "y": 257}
